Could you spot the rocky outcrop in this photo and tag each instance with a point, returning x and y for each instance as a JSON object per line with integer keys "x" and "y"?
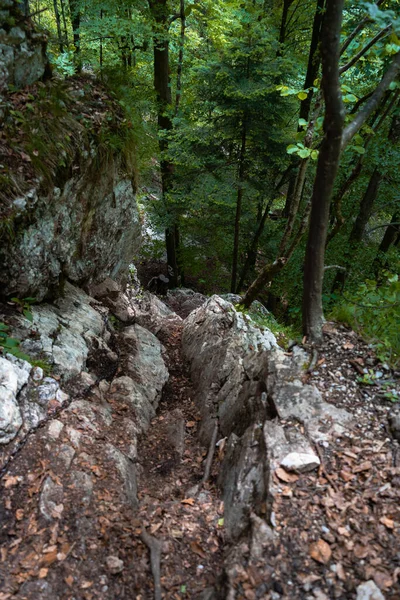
{"x": 247, "y": 386}
{"x": 23, "y": 57}
{"x": 78, "y": 233}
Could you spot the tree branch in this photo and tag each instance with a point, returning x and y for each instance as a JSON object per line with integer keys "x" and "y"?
{"x": 355, "y": 31}
{"x": 364, "y": 50}
{"x": 373, "y": 102}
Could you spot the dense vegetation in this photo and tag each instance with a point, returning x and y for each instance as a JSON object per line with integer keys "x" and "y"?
{"x": 268, "y": 143}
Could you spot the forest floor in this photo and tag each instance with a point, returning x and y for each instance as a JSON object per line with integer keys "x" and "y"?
{"x": 335, "y": 528}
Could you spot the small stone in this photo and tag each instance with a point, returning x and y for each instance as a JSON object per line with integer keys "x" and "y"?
{"x": 300, "y": 462}
{"x": 37, "y": 374}
{"x": 369, "y": 591}
{"x": 114, "y": 564}
{"x": 55, "y": 429}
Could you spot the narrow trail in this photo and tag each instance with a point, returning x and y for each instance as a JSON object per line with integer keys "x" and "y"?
{"x": 172, "y": 462}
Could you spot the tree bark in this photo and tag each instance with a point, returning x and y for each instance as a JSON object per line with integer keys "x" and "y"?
{"x": 58, "y": 23}
{"x": 390, "y": 234}
{"x": 180, "y": 57}
{"x": 238, "y": 206}
{"x": 328, "y": 163}
{"x": 159, "y": 10}
{"x": 314, "y": 59}
{"x": 365, "y": 210}
{"x": 74, "y": 10}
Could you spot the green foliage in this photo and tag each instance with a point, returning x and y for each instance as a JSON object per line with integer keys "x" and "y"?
{"x": 64, "y": 63}
{"x": 10, "y": 345}
{"x": 374, "y": 311}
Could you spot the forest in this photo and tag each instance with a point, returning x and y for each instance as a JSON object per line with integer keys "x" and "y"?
{"x": 267, "y": 140}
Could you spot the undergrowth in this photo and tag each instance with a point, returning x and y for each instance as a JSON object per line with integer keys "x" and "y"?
{"x": 263, "y": 320}
{"x": 373, "y": 310}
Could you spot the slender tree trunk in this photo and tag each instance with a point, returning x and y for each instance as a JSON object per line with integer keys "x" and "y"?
{"x": 365, "y": 211}
{"x": 239, "y": 206}
{"x": 390, "y": 234}
{"x": 64, "y": 23}
{"x": 58, "y": 22}
{"x": 282, "y": 31}
{"x": 159, "y": 10}
{"x": 313, "y": 65}
{"x": 180, "y": 58}
{"x": 358, "y": 229}
{"x": 252, "y": 252}
{"x": 75, "y": 15}
{"x": 314, "y": 59}
{"x": 328, "y": 163}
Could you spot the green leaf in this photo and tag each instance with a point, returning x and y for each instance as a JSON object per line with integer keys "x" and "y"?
{"x": 359, "y": 149}
{"x": 183, "y": 589}
{"x": 303, "y": 123}
{"x": 291, "y": 149}
{"x": 3, "y": 327}
{"x": 314, "y": 154}
{"x": 304, "y": 152}
{"x": 188, "y": 10}
{"x": 28, "y": 315}
{"x": 302, "y": 95}
{"x": 221, "y": 522}
{"x": 350, "y": 98}
{"x": 11, "y": 343}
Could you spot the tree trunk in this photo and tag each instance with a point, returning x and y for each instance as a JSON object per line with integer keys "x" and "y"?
{"x": 159, "y": 10}
{"x": 314, "y": 59}
{"x": 58, "y": 22}
{"x": 365, "y": 210}
{"x": 252, "y": 252}
{"x": 75, "y": 14}
{"x": 64, "y": 23}
{"x": 390, "y": 234}
{"x": 180, "y": 58}
{"x": 328, "y": 163}
{"x": 238, "y": 206}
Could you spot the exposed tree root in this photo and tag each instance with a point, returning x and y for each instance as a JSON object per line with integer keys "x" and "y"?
{"x": 155, "y": 547}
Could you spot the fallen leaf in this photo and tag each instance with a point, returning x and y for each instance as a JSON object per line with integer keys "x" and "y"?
{"x": 285, "y": 476}
{"x": 361, "y": 551}
{"x": 155, "y": 528}
{"x": 191, "y": 424}
{"x": 86, "y": 584}
{"x": 348, "y": 346}
{"x": 69, "y": 580}
{"x": 19, "y": 514}
{"x": 346, "y": 476}
{"x": 10, "y": 481}
{"x": 197, "y": 549}
{"x": 189, "y": 501}
{"x": 43, "y": 573}
{"x": 320, "y": 551}
{"x": 389, "y": 523}
{"x": 365, "y": 466}
{"x": 340, "y": 572}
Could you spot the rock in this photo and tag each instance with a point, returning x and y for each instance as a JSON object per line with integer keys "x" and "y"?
{"x": 67, "y": 329}
{"x": 394, "y": 426}
{"x": 77, "y": 234}
{"x": 154, "y": 315}
{"x": 369, "y": 591}
{"x": 124, "y": 390}
{"x": 184, "y": 301}
{"x": 111, "y": 295}
{"x": 10, "y": 415}
{"x": 261, "y": 535}
{"x": 127, "y": 471}
{"x": 114, "y": 564}
{"x": 54, "y": 429}
{"x": 243, "y": 478}
{"x": 141, "y": 359}
{"x": 51, "y": 499}
{"x": 82, "y": 484}
{"x": 300, "y": 462}
{"x": 37, "y": 374}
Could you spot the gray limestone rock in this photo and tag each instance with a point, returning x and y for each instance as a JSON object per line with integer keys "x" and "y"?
{"x": 369, "y": 591}
{"x": 141, "y": 359}
{"x": 154, "y": 315}
{"x": 51, "y": 499}
{"x": 127, "y": 472}
{"x": 14, "y": 375}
